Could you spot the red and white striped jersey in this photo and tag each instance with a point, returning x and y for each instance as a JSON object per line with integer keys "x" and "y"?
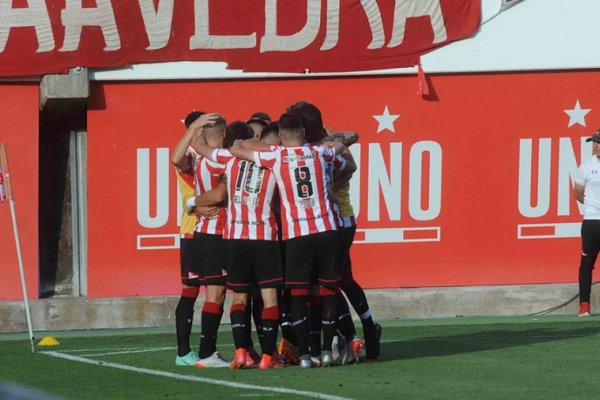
{"x": 207, "y": 176}
{"x": 250, "y": 191}
{"x": 302, "y": 176}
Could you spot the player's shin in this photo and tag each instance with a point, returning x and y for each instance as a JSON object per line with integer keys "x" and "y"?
{"x": 299, "y": 319}
{"x": 184, "y": 315}
{"x": 328, "y": 316}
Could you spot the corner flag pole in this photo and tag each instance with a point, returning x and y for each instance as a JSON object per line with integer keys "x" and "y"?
{"x": 5, "y": 175}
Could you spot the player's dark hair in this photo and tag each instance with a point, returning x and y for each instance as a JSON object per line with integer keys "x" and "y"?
{"x": 260, "y": 117}
{"x": 270, "y": 129}
{"x": 290, "y": 122}
{"x": 191, "y": 117}
{"x": 238, "y": 130}
{"x": 311, "y": 118}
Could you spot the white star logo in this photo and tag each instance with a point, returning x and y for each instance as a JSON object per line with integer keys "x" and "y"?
{"x": 577, "y": 114}
{"x": 386, "y": 120}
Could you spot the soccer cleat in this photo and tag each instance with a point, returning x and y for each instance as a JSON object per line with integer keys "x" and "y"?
{"x": 584, "y": 309}
{"x": 306, "y": 361}
{"x": 288, "y": 351}
{"x": 316, "y": 360}
{"x": 213, "y": 361}
{"x": 239, "y": 359}
{"x": 278, "y": 361}
{"x": 268, "y": 362}
{"x": 189, "y": 360}
{"x": 338, "y": 348}
{"x": 326, "y": 358}
{"x": 373, "y": 343}
{"x": 358, "y": 349}
{"x": 252, "y": 358}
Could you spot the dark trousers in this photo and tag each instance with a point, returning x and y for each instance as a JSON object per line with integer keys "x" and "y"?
{"x": 590, "y": 246}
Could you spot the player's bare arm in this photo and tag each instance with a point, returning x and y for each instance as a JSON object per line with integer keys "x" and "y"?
{"x": 348, "y": 138}
{"x": 208, "y": 212}
{"x": 178, "y": 157}
{"x": 255, "y": 144}
{"x": 240, "y": 152}
{"x": 337, "y": 146}
{"x": 578, "y": 191}
{"x": 203, "y": 149}
{"x": 213, "y": 197}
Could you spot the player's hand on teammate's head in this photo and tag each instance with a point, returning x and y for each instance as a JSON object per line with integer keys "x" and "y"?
{"x": 202, "y": 121}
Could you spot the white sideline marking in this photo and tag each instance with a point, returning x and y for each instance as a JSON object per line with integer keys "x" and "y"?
{"x": 450, "y": 339}
{"x": 314, "y": 395}
{"x": 105, "y": 349}
{"x": 146, "y": 350}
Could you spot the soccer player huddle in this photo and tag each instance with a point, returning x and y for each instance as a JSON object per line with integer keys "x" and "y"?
{"x": 268, "y": 216}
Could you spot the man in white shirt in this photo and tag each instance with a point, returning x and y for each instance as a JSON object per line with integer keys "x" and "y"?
{"x": 587, "y": 192}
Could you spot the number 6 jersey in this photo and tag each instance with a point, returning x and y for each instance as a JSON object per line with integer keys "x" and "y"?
{"x": 302, "y": 178}
{"x": 250, "y": 191}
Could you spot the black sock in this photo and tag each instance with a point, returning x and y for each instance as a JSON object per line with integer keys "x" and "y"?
{"x": 257, "y": 311}
{"x": 237, "y": 314}
{"x": 357, "y": 298}
{"x": 184, "y": 315}
{"x": 248, "y": 325}
{"x": 329, "y": 316}
{"x": 345, "y": 323}
{"x": 270, "y": 323}
{"x": 314, "y": 319}
{"x": 211, "y": 319}
{"x": 287, "y": 331}
{"x": 300, "y": 323}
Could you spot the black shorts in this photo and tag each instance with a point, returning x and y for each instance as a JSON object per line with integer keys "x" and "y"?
{"x": 251, "y": 262}
{"x": 312, "y": 255}
{"x": 346, "y": 237}
{"x": 211, "y": 258}
{"x": 189, "y": 263}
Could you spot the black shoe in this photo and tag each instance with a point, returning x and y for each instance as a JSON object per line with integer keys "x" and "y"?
{"x": 372, "y": 343}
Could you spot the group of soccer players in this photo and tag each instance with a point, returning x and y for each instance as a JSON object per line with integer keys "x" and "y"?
{"x": 268, "y": 216}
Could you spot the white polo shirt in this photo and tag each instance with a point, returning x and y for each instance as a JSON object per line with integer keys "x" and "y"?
{"x": 588, "y": 175}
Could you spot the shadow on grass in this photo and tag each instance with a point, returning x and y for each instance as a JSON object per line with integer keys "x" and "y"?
{"x": 445, "y": 345}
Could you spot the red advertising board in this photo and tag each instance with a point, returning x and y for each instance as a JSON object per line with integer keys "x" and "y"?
{"x": 40, "y": 37}
{"x": 19, "y": 129}
{"x": 470, "y": 188}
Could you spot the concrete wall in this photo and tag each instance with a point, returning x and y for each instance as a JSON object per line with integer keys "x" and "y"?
{"x": 130, "y": 312}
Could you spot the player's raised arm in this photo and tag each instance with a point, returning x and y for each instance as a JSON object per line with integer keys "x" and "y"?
{"x": 255, "y": 145}
{"x": 178, "y": 157}
{"x": 337, "y": 146}
{"x": 348, "y": 138}
{"x": 240, "y": 152}
{"x": 204, "y": 149}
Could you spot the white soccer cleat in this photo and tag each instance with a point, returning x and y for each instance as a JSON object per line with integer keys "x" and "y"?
{"x": 214, "y": 361}
{"x": 326, "y": 358}
{"x": 306, "y": 361}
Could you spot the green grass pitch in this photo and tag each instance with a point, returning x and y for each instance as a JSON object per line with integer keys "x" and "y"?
{"x": 461, "y": 358}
